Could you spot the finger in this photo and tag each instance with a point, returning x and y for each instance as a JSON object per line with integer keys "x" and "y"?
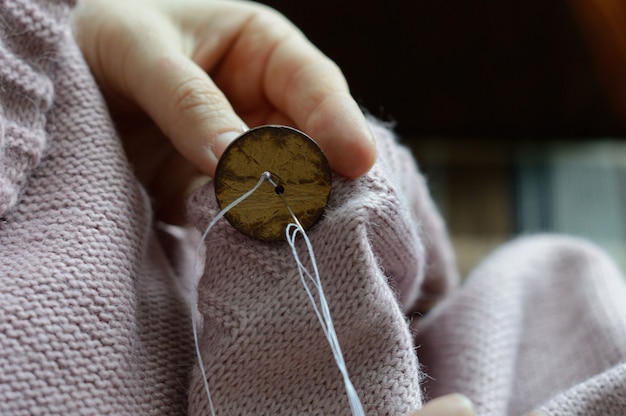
{"x": 315, "y": 95}
{"x": 184, "y": 102}
{"x": 188, "y": 107}
{"x": 299, "y": 81}
{"x": 146, "y": 62}
{"x": 450, "y": 405}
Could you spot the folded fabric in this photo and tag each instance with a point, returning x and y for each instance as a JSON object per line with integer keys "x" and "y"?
{"x": 539, "y": 325}
{"x": 263, "y": 349}
{"x": 90, "y": 322}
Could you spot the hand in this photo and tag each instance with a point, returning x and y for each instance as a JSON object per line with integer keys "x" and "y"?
{"x": 450, "y": 405}
{"x": 198, "y": 72}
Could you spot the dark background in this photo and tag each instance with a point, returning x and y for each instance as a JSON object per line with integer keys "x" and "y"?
{"x": 517, "y": 69}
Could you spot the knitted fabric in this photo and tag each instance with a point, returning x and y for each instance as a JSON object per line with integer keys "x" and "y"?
{"x": 261, "y": 335}
{"x": 89, "y": 323}
{"x": 541, "y": 324}
{"x": 93, "y": 321}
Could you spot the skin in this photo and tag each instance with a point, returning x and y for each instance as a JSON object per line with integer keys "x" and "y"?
{"x": 449, "y": 405}
{"x": 184, "y": 78}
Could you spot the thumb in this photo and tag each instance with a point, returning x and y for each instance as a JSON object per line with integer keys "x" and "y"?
{"x": 187, "y": 106}
{"x": 137, "y": 53}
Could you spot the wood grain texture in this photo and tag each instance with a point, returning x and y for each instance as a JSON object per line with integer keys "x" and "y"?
{"x": 295, "y": 163}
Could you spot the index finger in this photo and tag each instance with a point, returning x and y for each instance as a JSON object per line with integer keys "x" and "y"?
{"x": 310, "y": 89}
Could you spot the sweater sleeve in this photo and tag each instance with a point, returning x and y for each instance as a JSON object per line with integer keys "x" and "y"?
{"x": 539, "y": 325}
{"x": 90, "y": 322}
{"x": 263, "y": 349}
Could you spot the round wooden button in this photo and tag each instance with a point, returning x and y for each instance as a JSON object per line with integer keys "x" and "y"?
{"x": 298, "y": 168}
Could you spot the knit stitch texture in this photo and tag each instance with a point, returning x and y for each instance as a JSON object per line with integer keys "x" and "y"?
{"x": 88, "y": 320}
{"x": 261, "y": 335}
{"x": 94, "y": 295}
{"x": 541, "y": 324}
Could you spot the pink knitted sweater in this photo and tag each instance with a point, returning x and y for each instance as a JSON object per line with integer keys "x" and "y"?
{"x": 94, "y": 317}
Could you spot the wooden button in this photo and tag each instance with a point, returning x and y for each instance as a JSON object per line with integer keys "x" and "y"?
{"x": 299, "y": 169}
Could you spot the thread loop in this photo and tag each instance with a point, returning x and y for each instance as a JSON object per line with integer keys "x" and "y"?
{"x": 322, "y": 311}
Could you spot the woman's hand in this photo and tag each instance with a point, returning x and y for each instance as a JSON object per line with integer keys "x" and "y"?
{"x": 199, "y": 72}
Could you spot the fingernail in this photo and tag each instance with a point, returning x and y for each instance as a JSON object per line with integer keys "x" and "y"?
{"x": 464, "y": 405}
{"x": 196, "y": 182}
{"x": 223, "y": 141}
{"x": 453, "y": 404}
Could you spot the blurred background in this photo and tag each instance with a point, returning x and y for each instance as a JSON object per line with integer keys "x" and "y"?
{"x": 515, "y": 110}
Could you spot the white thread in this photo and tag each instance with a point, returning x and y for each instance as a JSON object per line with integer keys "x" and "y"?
{"x": 194, "y": 302}
{"x": 323, "y": 317}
